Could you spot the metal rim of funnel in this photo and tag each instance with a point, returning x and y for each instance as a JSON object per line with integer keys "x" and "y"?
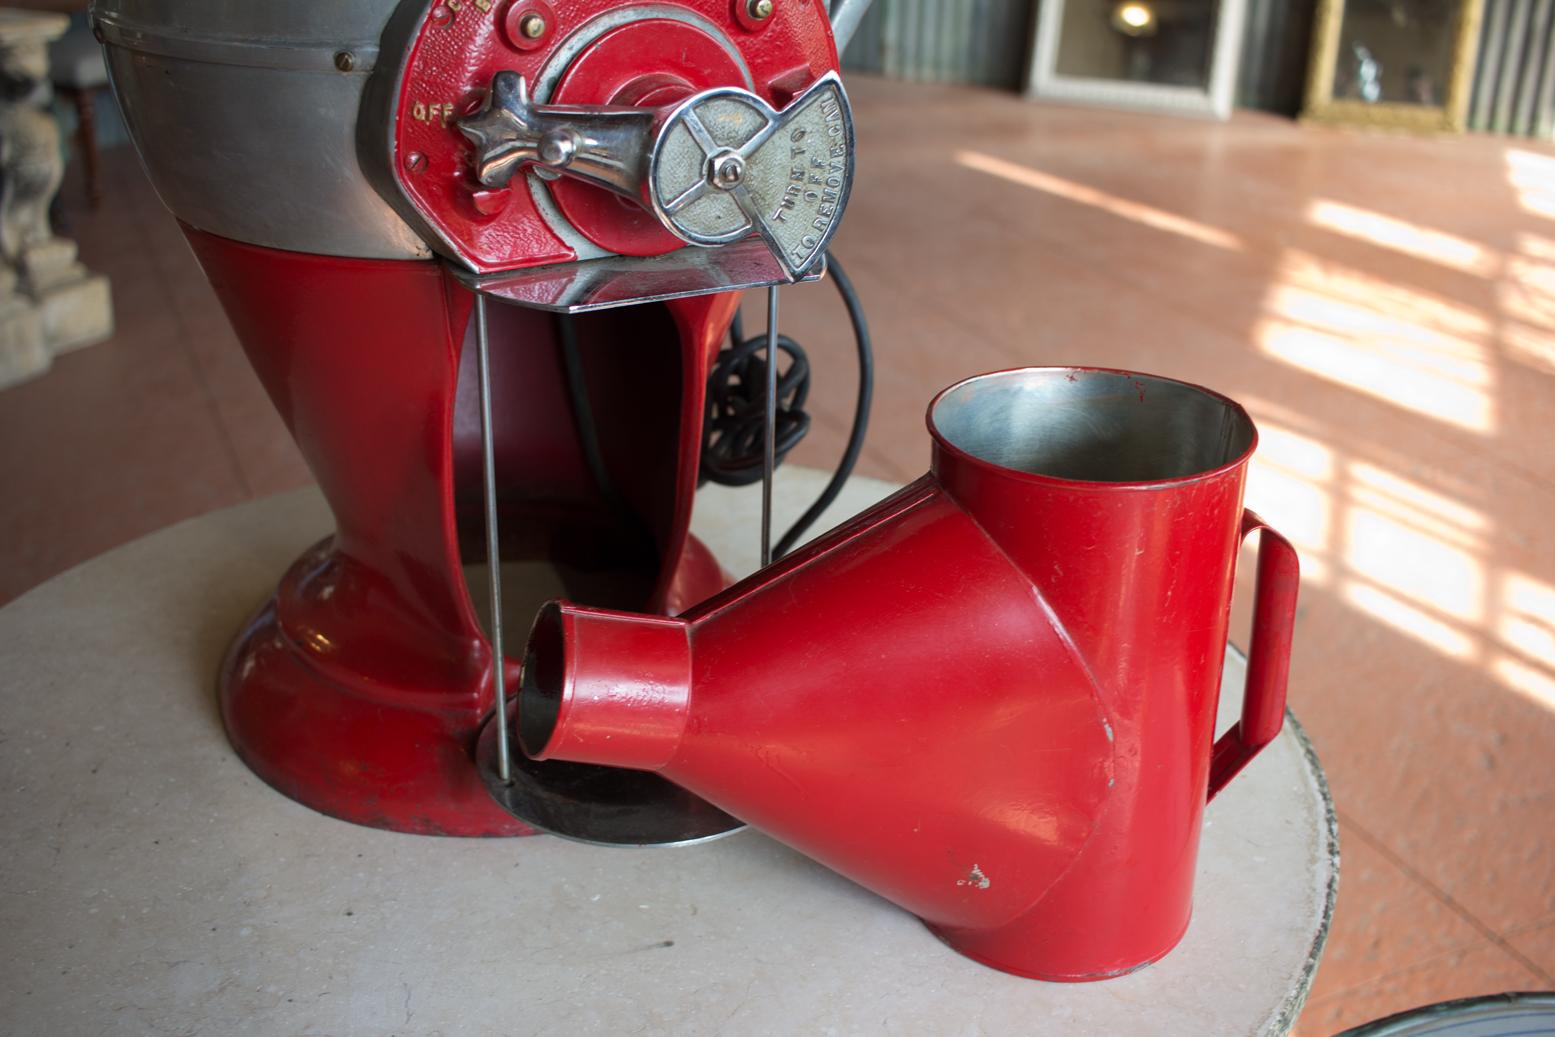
{"x": 1092, "y": 426}
{"x": 601, "y": 806}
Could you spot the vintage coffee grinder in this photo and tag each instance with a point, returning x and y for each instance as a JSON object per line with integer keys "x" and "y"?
{"x": 482, "y": 254}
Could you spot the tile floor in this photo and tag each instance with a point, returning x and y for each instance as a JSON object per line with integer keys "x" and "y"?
{"x": 1385, "y": 306}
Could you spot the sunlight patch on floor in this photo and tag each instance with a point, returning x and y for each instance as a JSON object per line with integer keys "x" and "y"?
{"x": 1431, "y": 360}
{"x": 1534, "y": 682}
{"x": 1394, "y": 372}
{"x": 1407, "y": 238}
{"x": 1401, "y": 499}
{"x": 1526, "y": 626}
{"x": 1289, "y": 478}
{"x": 1529, "y": 346}
{"x": 1526, "y": 295}
{"x": 1410, "y": 621}
{"x": 1069, "y": 190}
{"x": 1414, "y": 558}
{"x": 1410, "y": 555}
{"x": 1532, "y": 177}
{"x": 1387, "y": 547}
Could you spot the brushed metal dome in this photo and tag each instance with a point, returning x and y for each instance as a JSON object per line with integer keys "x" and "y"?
{"x": 246, "y": 115}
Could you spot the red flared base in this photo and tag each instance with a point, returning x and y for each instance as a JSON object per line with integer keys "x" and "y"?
{"x": 359, "y": 731}
{"x": 360, "y": 688}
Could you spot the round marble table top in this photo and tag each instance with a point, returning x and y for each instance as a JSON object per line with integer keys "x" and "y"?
{"x": 152, "y": 884}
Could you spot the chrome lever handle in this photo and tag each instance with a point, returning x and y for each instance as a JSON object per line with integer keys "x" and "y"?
{"x": 603, "y": 145}
{"x": 714, "y": 169}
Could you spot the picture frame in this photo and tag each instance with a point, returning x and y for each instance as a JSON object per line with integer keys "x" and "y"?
{"x": 1213, "y": 99}
{"x": 1424, "y": 100}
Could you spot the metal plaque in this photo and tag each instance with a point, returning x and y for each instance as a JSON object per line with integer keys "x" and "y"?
{"x": 727, "y": 164}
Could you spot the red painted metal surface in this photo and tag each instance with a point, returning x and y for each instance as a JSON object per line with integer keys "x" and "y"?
{"x": 360, "y": 688}
{"x": 456, "y": 52}
{"x": 990, "y": 699}
{"x": 610, "y": 71}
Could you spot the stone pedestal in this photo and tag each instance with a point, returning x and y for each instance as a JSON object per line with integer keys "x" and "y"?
{"x": 49, "y": 301}
{"x": 74, "y": 304}
{"x": 23, "y": 351}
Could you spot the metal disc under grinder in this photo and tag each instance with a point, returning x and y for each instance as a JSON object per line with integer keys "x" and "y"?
{"x": 606, "y": 806}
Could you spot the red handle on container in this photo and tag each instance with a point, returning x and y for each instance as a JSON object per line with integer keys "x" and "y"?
{"x": 1268, "y": 657}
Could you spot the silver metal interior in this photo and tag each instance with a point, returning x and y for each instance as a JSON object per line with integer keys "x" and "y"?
{"x": 248, "y": 124}
{"x": 544, "y": 678}
{"x": 1095, "y": 426}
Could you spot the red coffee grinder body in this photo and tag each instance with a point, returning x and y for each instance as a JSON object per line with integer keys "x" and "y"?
{"x": 384, "y": 195}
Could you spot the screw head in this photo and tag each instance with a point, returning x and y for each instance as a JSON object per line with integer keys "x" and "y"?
{"x": 345, "y": 61}
{"x": 726, "y": 171}
{"x": 759, "y": 9}
{"x": 415, "y": 162}
{"x": 533, "y": 26}
{"x": 558, "y": 148}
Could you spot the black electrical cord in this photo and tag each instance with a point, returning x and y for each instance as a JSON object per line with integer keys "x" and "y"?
{"x": 866, "y": 391}
{"x": 732, "y": 449}
{"x": 583, "y": 414}
{"x": 736, "y": 421}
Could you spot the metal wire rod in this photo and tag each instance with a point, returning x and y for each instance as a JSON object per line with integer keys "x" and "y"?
{"x": 769, "y": 443}
{"x": 493, "y": 544}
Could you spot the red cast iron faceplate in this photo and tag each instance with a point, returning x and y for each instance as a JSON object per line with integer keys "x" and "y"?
{"x": 461, "y": 44}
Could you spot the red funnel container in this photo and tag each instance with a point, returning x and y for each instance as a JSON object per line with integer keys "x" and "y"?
{"x": 989, "y": 698}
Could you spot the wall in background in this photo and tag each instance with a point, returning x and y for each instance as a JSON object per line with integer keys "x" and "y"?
{"x": 986, "y": 42}
{"x": 951, "y": 41}
{"x": 1514, "y": 77}
{"x": 1276, "y": 40}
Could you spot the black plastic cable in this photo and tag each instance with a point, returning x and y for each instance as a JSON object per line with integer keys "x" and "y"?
{"x": 866, "y": 390}
{"x": 583, "y": 413}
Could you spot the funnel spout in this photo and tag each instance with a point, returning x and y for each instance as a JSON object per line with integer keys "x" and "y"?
{"x": 604, "y": 687}
{"x": 893, "y": 700}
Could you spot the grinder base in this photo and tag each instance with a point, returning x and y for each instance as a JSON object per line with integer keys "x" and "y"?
{"x": 338, "y": 694}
